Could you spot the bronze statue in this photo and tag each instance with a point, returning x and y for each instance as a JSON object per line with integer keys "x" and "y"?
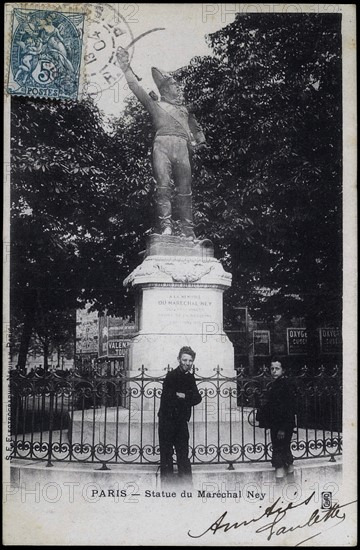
{"x": 177, "y": 134}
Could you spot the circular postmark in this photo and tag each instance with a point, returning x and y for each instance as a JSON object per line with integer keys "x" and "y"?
{"x": 107, "y": 29}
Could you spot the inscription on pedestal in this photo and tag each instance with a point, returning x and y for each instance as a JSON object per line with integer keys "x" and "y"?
{"x": 173, "y": 311}
{"x": 192, "y": 309}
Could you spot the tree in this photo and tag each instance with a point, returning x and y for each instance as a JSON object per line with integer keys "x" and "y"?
{"x": 54, "y": 332}
{"x": 270, "y": 102}
{"x": 58, "y": 209}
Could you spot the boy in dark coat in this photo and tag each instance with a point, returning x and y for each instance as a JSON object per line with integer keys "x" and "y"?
{"x": 278, "y": 414}
{"x": 179, "y": 395}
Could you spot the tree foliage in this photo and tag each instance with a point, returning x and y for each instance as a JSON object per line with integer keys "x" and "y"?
{"x": 269, "y": 190}
{"x": 65, "y": 242}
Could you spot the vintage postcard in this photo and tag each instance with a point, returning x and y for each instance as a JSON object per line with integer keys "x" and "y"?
{"x": 179, "y": 327}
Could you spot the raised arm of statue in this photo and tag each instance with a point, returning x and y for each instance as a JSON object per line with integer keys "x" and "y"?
{"x": 123, "y": 60}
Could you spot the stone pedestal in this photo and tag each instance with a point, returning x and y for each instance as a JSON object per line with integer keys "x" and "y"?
{"x": 179, "y": 290}
{"x": 179, "y": 301}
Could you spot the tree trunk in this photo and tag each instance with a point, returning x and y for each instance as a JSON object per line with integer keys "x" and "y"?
{"x": 312, "y": 324}
{"x": 311, "y": 286}
{"x": 26, "y": 336}
{"x": 46, "y": 353}
{"x": 312, "y": 330}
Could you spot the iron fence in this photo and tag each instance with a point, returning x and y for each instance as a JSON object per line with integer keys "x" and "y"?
{"x": 95, "y": 418}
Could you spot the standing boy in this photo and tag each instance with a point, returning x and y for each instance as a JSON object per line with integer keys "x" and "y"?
{"x": 278, "y": 414}
{"x": 179, "y": 395}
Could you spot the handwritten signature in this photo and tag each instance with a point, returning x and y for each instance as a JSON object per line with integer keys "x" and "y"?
{"x": 277, "y": 514}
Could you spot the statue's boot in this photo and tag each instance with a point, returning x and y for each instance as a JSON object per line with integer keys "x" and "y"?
{"x": 186, "y": 217}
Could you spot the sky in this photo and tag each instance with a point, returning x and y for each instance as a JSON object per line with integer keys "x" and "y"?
{"x": 183, "y": 37}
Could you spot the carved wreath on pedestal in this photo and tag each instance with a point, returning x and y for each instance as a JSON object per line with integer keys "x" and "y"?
{"x": 188, "y": 273}
{"x": 184, "y": 272}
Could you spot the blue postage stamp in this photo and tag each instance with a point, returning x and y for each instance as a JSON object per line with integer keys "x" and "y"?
{"x": 46, "y": 53}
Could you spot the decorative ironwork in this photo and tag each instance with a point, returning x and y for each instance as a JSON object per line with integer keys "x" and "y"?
{"x": 101, "y": 419}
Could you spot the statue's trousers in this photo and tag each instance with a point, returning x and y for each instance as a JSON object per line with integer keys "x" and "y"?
{"x": 171, "y": 160}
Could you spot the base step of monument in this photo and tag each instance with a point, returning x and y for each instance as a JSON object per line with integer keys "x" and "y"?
{"x": 83, "y": 477}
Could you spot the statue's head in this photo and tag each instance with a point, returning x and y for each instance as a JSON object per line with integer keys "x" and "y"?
{"x": 167, "y": 85}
